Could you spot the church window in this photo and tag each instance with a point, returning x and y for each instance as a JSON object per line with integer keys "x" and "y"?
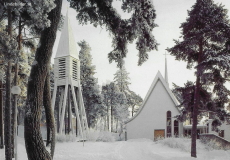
{"x": 169, "y": 124}
{"x": 176, "y": 128}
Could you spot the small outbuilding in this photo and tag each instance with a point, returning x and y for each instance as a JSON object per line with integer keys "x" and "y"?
{"x": 156, "y": 117}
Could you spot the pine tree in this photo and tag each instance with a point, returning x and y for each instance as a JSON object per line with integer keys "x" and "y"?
{"x": 90, "y": 90}
{"x": 121, "y": 111}
{"x": 123, "y": 31}
{"x": 37, "y": 88}
{"x": 185, "y": 96}
{"x": 134, "y": 101}
{"x": 121, "y": 79}
{"x": 205, "y": 47}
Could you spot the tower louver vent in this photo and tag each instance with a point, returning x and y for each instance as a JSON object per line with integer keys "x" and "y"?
{"x": 74, "y": 70}
{"x": 62, "y": 68}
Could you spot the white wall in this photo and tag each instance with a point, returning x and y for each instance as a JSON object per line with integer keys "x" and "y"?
{"x": 224, "y": 127}
{"x": 153, "y": 114}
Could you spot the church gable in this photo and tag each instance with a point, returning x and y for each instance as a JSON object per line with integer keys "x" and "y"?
{"x": 159, "y": 97}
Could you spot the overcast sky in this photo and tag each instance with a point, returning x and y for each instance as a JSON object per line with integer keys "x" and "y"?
{"x": 170, "y": 14}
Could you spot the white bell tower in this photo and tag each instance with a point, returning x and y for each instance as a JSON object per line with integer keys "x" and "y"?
{"x": 67, "y": 84}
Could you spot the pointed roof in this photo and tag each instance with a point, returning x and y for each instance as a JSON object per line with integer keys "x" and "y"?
{"x": 157, "y": 78}
{"x": 67, "y": 44}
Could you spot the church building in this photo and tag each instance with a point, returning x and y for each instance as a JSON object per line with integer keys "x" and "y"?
{"x": 156, "y": 117}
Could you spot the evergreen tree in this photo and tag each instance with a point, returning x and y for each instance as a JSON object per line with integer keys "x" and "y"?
{"x": 90, "y": 90}
{"x": 116, "y": 103}
{"x": 121, "y": 79}
{"x": 205, "y": 46}
{"x": 123, "y": 31}
{"x": 39, "y": 88}
{"x": 185, "y": 96}
{"x": 121, "y": 111}
{"x": 134, "y": 101}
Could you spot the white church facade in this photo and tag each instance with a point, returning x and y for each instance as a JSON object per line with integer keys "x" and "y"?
{"x": 156, "y": 117}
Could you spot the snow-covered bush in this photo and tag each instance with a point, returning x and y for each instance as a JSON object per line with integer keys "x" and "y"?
{"x": 65, "y": 138}
{"x": 119, "y": 136}
{"x": 105, "y": 136}
{"x": 183, "y": 143}
{"x": 213, "y": 144}
{"x": 100, "y": 136}
{"x": 93, "y": 135}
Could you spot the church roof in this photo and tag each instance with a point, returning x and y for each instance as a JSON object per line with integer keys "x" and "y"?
{"x": 67, "y": 44}
{"x": 160, "y": 78}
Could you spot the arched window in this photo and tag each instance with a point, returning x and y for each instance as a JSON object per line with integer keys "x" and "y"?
{"x": 169, "y": 124}
{"x": 176, "y": 128}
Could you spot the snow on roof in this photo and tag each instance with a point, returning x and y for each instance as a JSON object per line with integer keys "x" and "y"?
{"x": 67, "y": 45}
{"x": 160, "y": 78}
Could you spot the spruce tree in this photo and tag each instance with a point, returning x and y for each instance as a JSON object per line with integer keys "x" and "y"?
{"x": 123, "y": 31}
{"x": 134, "y": 101}
{"x": 112, "y": 100}
{"x": 90, "y": 89}
{"x": 121, "y": 79}
{"x": 205, "y": 46}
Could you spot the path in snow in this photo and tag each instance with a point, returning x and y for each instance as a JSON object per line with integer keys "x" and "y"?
{"x": 140, "y": 149}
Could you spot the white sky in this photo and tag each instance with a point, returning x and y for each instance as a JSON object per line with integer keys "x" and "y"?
{"x": 170, "y": 14}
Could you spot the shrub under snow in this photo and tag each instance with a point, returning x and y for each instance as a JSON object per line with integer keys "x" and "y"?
{"x": 102, "y": 136}
{"x": 65, "y": 138}
{"x": 183, "y": 143}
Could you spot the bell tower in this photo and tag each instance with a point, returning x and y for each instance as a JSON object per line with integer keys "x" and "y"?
{"x": 67, "y": 95}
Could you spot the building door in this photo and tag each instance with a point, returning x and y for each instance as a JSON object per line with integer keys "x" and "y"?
{"x": 160, "y": 133}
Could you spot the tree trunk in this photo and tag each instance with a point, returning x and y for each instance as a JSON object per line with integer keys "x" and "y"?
{"x": 107, "y": 114}
{"x": 1, "y": 116}
{"x": 7, "y": 124}
{"x": 14, "y": 112}
{"x": 33, "y": 139}
{"x": 14, "y": 107}
{"x": 196, "y": 105}
{"x": 49, "y": 115}
{"x": 111, "y": 118}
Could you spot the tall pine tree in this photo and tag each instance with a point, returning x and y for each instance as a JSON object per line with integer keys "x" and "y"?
{"x": 121, "y": 79}
{"x": 91, "y": 94}
{"x": 205, "y": 46}
{"x": 123, "y": 31}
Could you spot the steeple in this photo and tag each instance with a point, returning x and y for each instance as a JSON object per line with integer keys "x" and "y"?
{"x": 166, "y": 70}
{"x": 66, "y": 61}
{"x": 67, "y": 83}
{"x": 67, "y": 44}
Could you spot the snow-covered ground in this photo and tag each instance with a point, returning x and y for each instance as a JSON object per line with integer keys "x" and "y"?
{"x": 139, "y": 149}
